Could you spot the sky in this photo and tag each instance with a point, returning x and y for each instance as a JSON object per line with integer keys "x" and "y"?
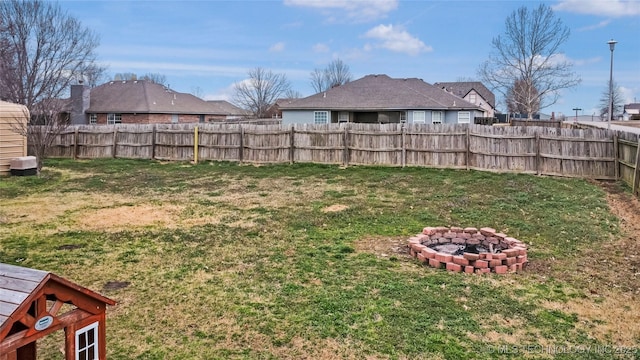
{"x": 205, "y": 47}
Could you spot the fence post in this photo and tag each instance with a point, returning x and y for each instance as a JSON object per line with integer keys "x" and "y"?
{"x": 195, "y": 145}
{"x": 115, "y": 141}
{"x": 404, "y": 145}
{"x": 615, "y": 152}
{"x": 636, "y": 171}
{"x": 153, "y": 142}
{"x": 537, "y": 153}
{"x": 241, "y": 149}
{"x": 468, "y": 146}
{"x": 345, "y": 140}
{"x": 75, "y": 144}
{"x": 291, "y": 144}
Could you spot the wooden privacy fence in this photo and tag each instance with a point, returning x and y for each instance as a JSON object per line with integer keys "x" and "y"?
{"x": 587, "y": 153}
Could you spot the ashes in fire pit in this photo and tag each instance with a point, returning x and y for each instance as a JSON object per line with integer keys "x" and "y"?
{"x": 469, "y": 249}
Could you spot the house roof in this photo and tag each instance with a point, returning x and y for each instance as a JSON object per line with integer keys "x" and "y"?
{"x": 19, "y": 286}
{"x": 632, "y": 106}
{"x": 380, "y": 92}
{"x": 462, "y": 88}
{"x": 141, "y": 96}
{"x": 226, "y": 108}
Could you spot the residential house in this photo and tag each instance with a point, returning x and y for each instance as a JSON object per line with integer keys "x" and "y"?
{"x": 631, "y": 111}
{"x": 226, "y": 111}
{"x": 143, "y": 102}
{"x": 381, "y": 99}
{"x": 474, "y": 92}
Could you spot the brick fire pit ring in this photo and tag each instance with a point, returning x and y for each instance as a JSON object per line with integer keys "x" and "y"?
{"x": 469, "y": 250}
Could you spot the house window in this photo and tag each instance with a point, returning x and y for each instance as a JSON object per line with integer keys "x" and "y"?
{"x": 464, "y": 117}
{"x": 472, "y": 98}
{"x": 87, "y": 342}
{"x": 418, "y": 117}
{"x": 113, "y": 119}
{"x": 436, "y": 117}
{"x": 174, "y": 118}
{"x": 343, "y": 117}
{"x": 403, "y": 117}
{"x": 93, "y": 119}
{"x": 320, "y": 117}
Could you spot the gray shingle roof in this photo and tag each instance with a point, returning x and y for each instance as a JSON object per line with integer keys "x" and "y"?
{"x": 632, "y": 106}
{"x": 140, "y": 96}
{"x": 380, "y": 92}
{"x": 226, "y": 108}
{"x": 462, "y": 88}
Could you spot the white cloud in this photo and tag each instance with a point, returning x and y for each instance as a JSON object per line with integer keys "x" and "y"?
{"x": 628, "y": 95}
{"x": 562, "y": 58}
{"x": 613, "y": 8}
{"x": 599, "y": 25}
{"x": 396, "y": 39}
{"x": 353, "y": 10}
{"x": 277, "y": 47}
{"x": 320, "y": 48}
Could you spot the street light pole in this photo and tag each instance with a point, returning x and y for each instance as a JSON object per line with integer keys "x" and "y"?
{"x": 612, "y": 45}
{"x": 576, "y": 110}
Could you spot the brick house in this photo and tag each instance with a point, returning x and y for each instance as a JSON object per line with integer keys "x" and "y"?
{"x": 144, "y": 102}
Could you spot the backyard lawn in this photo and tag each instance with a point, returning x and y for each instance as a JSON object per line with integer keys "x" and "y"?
{"x": 228, "y": 261}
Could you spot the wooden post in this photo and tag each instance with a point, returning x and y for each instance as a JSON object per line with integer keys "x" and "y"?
{"x": 241, "y": 149}
{"x": 195, "y": 145}
{"x": 615, "y": 156}
{"x": 538, "y": 153}
{"x": 345, "y": 140}
{"x": 636, "y": 171}
{"x": 291, "y": 144}
{"x": 153, "y": 142}
{"x": 468, "y": 145}
{"x": 75, "y": 144}
{"x": 115, "y": 141}
{"x": 404, "y": 144}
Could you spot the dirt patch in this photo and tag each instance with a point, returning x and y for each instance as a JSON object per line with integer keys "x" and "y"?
{"x": 69, "y": 247}
{"x": 335, "y": 208}
{"x": 116, "y": 218}
{"x": 115, "y": 285}
{"x": 384, "y": 247}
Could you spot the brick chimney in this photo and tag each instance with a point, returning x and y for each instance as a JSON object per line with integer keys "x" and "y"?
{"x": 80, "y": 99}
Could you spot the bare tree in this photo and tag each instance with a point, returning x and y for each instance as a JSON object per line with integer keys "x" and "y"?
{"x": 44, "y": 51}
{"x": 617, "y": 100}
{"x": 529, "y": 51}
{"x": 522, "y": 98}
{"x": 319, "y": 81}
{"x": 335, "y": 74}
{"x": 197, "y": 91}
{"x": 292, "y": 94}
{"x": 260, "y": 90}
{"x": 155, "y": 78}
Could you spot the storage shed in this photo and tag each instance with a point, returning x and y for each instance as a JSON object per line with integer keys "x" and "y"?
{"x": 12, "y": 144}
{"x": 31, "y": 307}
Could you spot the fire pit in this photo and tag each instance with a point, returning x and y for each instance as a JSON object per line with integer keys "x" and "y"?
{"x": 469, "y": 249}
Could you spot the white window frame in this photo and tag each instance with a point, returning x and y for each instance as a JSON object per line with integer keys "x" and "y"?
{"x": 175, "y": 118}
{"x": 343, "y": 117}
{"x": 320, "y": 117}
{"x": 421, "y": 119}
{"x": 436, "y": 119}
{"x": 464, "y": 117}
{"x": 473, "y": 98}
{"x": 113, "y": 119}
{"x": 93, "y": 119}
{"x": 83, "y": 332}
